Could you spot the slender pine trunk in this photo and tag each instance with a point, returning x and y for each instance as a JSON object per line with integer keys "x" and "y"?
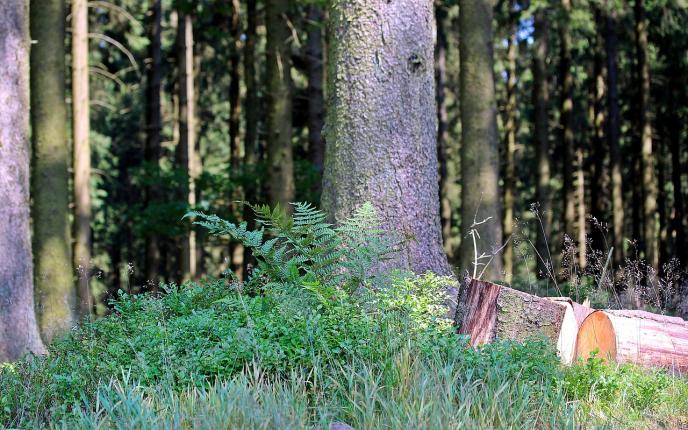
{"x": 510, "y": 145}
{"x": 153, "y": 129}
{"x": 647, "y": 156}
{"x": 480, "y": 195}
{"x": 541, "y": 126}
{"x": 280, "y": 158}
{"x": 81, "y": 153}
{"x": 55, "y": 290}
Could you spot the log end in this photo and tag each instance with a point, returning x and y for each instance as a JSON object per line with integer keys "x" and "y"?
{"x": 596, "y": 333}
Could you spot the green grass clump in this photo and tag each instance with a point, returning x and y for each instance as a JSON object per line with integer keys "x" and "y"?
{"x": 316, "y": 335}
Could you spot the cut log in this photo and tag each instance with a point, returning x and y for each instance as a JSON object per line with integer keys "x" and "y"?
{"x": 487, "y": 311}
{"x": 637, "y": 337}
{"x": 573, "y": 318}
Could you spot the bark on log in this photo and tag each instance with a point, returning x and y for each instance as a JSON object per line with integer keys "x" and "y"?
{"x": 635, "y": 337}
{"x": 488, "y": 311}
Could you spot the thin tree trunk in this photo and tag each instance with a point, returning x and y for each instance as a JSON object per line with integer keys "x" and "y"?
{"x": 236, "y": 250}
{"x": 647, "y": 157}
{"x": 598, "y": 194}
{"x": 566, "y": 123}
{"x": 18, "y": 328}
{"x": 82, "y": 153}
{"x": 153, "y": 129}
{"x": 316, "y": 96}
{"x": 187, "y": 135}
{"x": 251, "y": 116}
{"x": 381, "y": 123}
{"x": 55, "y": 290}
{"x": 677, "y": 170}
{"x": 541, "y": 125}
{"x": 510, "y": 144}
{"x": 480, "y": 199}
{"x": 280, "y": 158}
{"x": 442, "y": 125}
{"x": 234, "y": 99}
{"x": 252, "y": 102}
{"x": 613, "y": 131}
{"x": 581, "y": 214}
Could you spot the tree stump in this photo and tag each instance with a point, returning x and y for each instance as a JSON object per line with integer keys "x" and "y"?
{"x": 638, "y": 337}
{"x": 487, "y": 312}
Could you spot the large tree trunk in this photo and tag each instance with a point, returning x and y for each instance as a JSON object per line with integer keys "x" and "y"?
{"x": 442, "y": 125}
{"x": 82, "y": 153}
{"x": 187, "y": 135}
{"x": 480, "y": 199}
{"x": 635, "y": 337}
{"x": 381, "y": 123}
{"x": 18, "y": 328}
{"x": 280, "y": 157}
{"x": 153, "y": 129}
{"x": 55, "y": 290}
{"x": 316, "y": 96}
{"x": 647, "y": 157}
{"x": 541, "y": 126}
{"x": 510, "y": 145}
{"x": 613, "y": 131}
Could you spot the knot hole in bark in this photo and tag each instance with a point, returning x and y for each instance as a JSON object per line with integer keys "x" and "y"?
{"x": 415, "y": 64}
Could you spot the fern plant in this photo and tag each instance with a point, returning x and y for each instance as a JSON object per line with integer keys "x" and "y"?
{"x": 307, "y": 253}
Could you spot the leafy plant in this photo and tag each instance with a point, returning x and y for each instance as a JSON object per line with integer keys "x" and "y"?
{"x": 304, "y": 251}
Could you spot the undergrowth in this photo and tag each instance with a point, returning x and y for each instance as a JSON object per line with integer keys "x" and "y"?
{"x": 316, "y": 335}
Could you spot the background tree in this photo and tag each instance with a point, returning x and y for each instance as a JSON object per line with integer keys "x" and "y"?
{"x": 280, "y": 158}
{"x": 152, "y": 150}
{"x": 381, "y": 122}
{"x": 55, "y": 290}
{"x": 541, "y": 132}
{"x": 186, "y": 150}
{"x": 480, "y": 195}
{"x": 647, "y": 157}
{"x": 18, "y": 329}
{"x": 81, "y": 153}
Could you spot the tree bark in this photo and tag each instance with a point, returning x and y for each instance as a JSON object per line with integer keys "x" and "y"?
{"x": 316, "y": 95}
{"x": 647, "y": 156}
{"x": 381, "y": 123}
{"x": 510, "y": 146}
{"x": 613, "y": 131}
{"x": 55, "y": 290}
{"x": 153, "y": 129}
{"x": 280, "y": 157}
{"x": 187, "y": 135}
{"x": 480, "y": 199}
{"x": 18, "y": 328}
{"x": 442, "y": 125}
{"x": 541, "y": 126}
{"x": 82, "y": 153}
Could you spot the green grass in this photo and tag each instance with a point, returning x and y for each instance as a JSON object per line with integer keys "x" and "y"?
{"x": 181, "y": 361}
{"x": 311, "y": 338}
